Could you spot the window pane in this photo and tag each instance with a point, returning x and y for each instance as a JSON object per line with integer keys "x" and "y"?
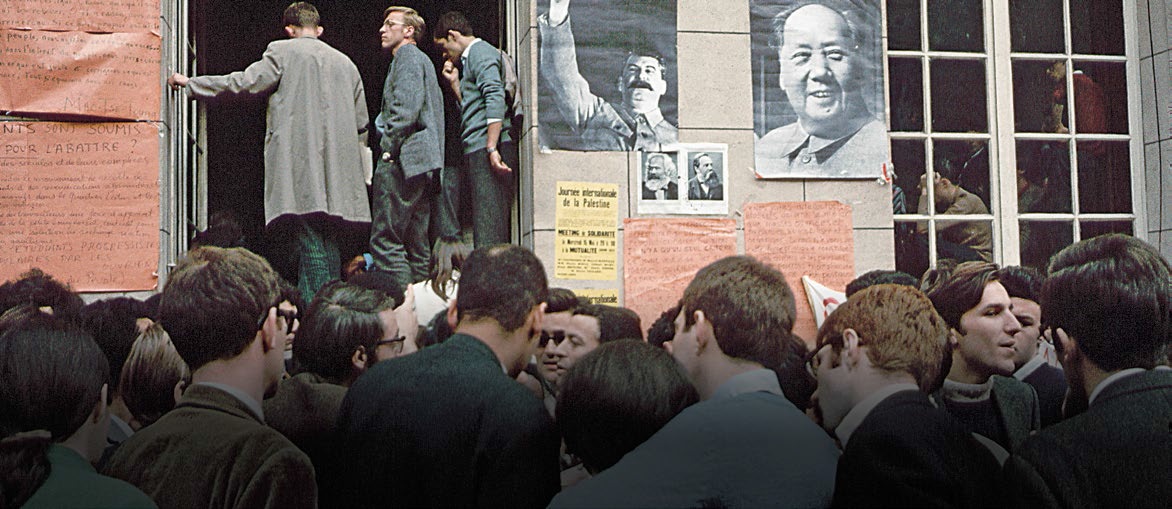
{"x": 1033, "y": 96}
{"x": 958, "y": 96}
{"x": 1104, "y": 176}
{"x": 1100, "y": 97}
{"x": 956, "y": 25}
{"x": 907, "y": 94}
{"x": 1041, "y": 239}
{"x": 1096, "y": 27}
{"x": 903, "y": 24}
{"x": 1043, "y": 177}
{"x": 1036, "y": 26}
{"x": 965, "y": 163}
{"x": 908, "y": 158}
{"x": 1092, "y": 229}
{"x": 964, "y": 241}
{"x": 911, "y": 248}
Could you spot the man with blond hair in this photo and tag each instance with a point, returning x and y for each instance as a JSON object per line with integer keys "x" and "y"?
{"x": 875, "y": 358}
{"x": 411, "y": 123}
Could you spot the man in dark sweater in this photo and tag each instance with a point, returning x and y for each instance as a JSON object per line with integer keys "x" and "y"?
{"x": 449, "y": 426}
{"x": 1023, "y": 285}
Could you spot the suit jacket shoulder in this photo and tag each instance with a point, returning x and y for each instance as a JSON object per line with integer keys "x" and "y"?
{"x": 211, "y": 450}
{"x": 1017, "y": 405}
{"x": 1118, "y": 453}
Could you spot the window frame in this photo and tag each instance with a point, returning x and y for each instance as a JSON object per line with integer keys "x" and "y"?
{"x": 1002, "y": 137}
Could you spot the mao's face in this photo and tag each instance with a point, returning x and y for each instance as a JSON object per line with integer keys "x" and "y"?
{"x": 818, "y": 71}
{"x": 642, "y": 79}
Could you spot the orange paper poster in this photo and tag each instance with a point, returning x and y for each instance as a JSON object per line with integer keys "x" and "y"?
{"x": 112, "y": 75}
{"x": 83, "y": 15}
{"x": 803, "y": 239}
{"x": 662, "y": 255}
{"x": 81, "y": 202}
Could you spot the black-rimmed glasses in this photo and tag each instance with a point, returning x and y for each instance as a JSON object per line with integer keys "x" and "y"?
{"x": 396, "y": 344}
{"x": 556, "y": 337}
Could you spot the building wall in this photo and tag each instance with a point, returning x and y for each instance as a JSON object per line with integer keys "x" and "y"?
{"x": 1155, "y": 32}
{"x": 716, "y": 105}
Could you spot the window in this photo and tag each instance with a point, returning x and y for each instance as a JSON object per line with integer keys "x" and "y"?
{"x": 983, "y": 126}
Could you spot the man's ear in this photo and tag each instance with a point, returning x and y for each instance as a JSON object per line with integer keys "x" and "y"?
{"x": 453, "y": 315}
{"x": 291, "y": 31}
{"x": 703, "y": 329}
{"x": 267, "y": 332}
{"x": 320, "y": 30}
{"x": 851, "y": 351}
{"x": 359, "y": 359}
{"x": 100, "y": 407}
{"x": 1068, "y": 347}
{"x": 953, "y": 337}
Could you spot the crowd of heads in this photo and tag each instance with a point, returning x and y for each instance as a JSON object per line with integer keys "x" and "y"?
{"x": 67, "y": 366}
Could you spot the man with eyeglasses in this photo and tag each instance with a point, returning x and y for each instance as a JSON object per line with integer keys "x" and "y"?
{"x": 220, "y": 308}
{"x": 1107, "y": 305}
{"x": 411, "y": 122}
{"x": 876, "y": 357}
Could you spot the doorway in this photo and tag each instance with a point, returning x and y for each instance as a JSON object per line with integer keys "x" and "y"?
{"x": 229, "y": 35}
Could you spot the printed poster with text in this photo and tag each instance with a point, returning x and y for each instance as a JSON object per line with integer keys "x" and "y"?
{"x": 803, "y": 239}
{"x": 97, "y": 58}
{"x": 586, "y": 231}
{"x": 662, "y": 255}
{"x": 81, "y": 202}
{"x": 606, "y": 296}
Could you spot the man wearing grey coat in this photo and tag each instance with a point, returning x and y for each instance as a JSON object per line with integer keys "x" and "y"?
{"x": 412, "y": 126}
{"x": 317, "y": 123}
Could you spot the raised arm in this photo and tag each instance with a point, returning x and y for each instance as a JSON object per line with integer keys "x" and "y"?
{"x": 559, "y": 67}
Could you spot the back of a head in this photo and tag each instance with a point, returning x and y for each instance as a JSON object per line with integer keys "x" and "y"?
{"x": 616, "y": 397}
{"x": 664, "y": 328}
{"x": 342, "y": 318}
{"x": 113, "y": 323}
{"x": 382, "y": 282}
{"x": 749, "y": 305}
{"x": 880, "y": 277}
{"x": 447, "y": 257}
{"x": 38, "y": 288}
{"x": 1021, "y": 282}
{"x": 301, "y": 14}
{"x": 148, "y": 378}
{"x": 614, "y": 323}
{"x": 932, "y": 277}
{"x": 501, "y": 283}
{"x": 961, "y": 291}
{"x": 899, "y": 326}
{"x": 215, "y": 302}
{"x": 453, "y": 20}
{"x": 52, "y": 374}
{"x": 561, "y": 299}
{"x": 1113, "y": 296}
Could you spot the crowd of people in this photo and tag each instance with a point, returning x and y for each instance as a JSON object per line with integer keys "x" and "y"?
{"x": 975, "y": 385}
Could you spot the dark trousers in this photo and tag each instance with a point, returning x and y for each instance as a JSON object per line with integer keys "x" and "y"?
{"x": 400, "y": 213}
{"x": 445, "y": 205}
{"x": 319, "y": 258}
{"x": 492, "y": 195}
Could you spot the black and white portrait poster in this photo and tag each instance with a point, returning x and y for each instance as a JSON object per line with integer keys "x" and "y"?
{"x": 818, "y": 89}
{"x": 687, "y": 178}
{"x": 607, "y": 74}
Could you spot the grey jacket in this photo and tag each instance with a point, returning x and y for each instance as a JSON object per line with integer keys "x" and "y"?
{"x": 412, "y": 116}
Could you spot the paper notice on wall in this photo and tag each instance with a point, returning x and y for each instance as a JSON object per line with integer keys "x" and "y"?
{"x": 80, "y": 202}
{"x": 112, "y": 75}
{"x": 803, "y": 239}
{"x": 586, "y": 231}
{"x": 606, "y": 296}
{"x": 82, "y": 15}
{"x": 661, "y": 256}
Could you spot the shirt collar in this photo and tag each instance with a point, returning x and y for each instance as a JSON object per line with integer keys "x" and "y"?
{"x": 248, "y": 401}
{"x": 1028, "y": 368}
{"x": 860, "y": 411}
{"x": 962, "y": 392}
{"x": 1123, "y": 373}
{"x": 757, "y": 380}
{"x": 468, "y": 48}
{"x": 799, "y": 137}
